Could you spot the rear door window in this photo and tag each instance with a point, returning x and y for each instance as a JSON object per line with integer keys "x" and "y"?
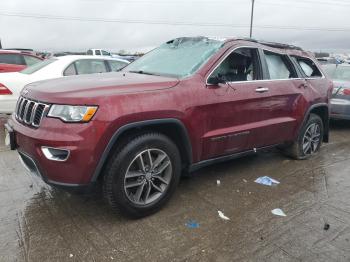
{"x": 31, "y": 60}
{"x": 116, "y": 65}
{"x": 308, "y": 67}
{"x": 90, "y": 66}
{"x": 279, "y": 66}
{"x": 38, "y": 66}
{"x": 97, "y": 52}
{"x": 70, "y": 70}
{"x": 105, "y": 53}
{"x": 14, "y": 59}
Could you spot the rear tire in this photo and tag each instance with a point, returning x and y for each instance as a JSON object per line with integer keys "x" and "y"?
{"x": 141, "y": 176}
{"x": 309, "y": 139}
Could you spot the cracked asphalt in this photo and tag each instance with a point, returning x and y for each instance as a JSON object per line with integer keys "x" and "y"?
{"x": 39, "y": 223}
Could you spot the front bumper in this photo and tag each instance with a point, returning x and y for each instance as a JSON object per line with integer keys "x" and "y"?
{"x": 340, "y": 109}
{"x": 80, "y": 139}
{"x": 30, "y": 165}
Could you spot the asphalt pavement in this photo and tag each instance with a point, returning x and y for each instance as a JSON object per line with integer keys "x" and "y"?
{"x": 39, "y": 223}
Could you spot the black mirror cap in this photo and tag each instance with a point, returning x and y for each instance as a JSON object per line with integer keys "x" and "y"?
{"x": 215, "y": 80}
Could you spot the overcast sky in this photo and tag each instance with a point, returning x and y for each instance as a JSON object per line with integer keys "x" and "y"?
{"x": 139, "y": 25}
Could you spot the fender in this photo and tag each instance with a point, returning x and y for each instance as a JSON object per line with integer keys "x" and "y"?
{"x": 326, "y": 127}
{"x": 184, "y": 135}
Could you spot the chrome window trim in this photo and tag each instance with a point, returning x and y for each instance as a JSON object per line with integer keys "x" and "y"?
{"x": 260, "y": 80}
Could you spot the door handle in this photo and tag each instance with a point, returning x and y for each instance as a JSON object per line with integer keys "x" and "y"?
{"x": 303, "y": 85}
{"x": 261, "y": 89}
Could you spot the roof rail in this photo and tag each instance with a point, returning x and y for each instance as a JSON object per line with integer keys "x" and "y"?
{"x": 272, "y": 44}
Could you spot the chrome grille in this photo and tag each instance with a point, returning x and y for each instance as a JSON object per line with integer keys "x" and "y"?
{"x": 30, "y": 112}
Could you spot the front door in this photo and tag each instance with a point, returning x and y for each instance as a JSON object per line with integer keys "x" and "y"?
{"x": 231, "y": 103}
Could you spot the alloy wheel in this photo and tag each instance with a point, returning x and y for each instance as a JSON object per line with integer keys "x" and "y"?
{"x": 148, "y": 176}
{"x": 311, "y": 139}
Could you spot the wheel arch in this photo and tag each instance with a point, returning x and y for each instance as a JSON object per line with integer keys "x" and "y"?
{"x": 320, "y": 109}
{"x": 171, "y": 127}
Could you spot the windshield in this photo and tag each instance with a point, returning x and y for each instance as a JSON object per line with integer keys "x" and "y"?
{"x": 177, "y": 58}
{"x": 340, "y": 73}
{"x": 36, "y": 67}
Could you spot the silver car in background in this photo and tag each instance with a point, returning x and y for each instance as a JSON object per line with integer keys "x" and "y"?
{"x": 340, "y": 102}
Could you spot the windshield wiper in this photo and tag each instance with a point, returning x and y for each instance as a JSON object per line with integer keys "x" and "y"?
{"x": 142, "y": 72}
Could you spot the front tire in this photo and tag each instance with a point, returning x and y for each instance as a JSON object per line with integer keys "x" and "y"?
{"x": 142, "y": 175}
{"x": 309, "y": 139}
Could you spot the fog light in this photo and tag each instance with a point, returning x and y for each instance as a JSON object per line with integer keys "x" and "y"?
{"x": 55, "y": 154}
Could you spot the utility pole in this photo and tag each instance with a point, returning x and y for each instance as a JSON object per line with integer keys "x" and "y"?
{"x": 251, "y": 20}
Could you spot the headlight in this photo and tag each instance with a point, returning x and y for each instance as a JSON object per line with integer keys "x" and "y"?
{"x": 70, "y": 113}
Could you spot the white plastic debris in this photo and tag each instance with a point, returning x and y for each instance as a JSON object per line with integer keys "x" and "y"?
{"x": 278, "y": 212}
{"x": 254, "y": 150}
{"x": 222, "y": 215}
{"x": 245, "y": 181}
{"x": 70, "y": 255}
{"x": 267, "y": 181}
{"x": 218, "y": 182}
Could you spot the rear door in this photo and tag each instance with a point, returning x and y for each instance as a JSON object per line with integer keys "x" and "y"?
{"x": 115, "y": 65}
{"x": 281, "y": 105}
{"x": 90, "y": 66}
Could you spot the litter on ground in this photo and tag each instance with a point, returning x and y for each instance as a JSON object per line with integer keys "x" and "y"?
{"x": 326, "y": 226}
{"x": 218, "y": 182}
{"x": 278, "y": 212}
{"x": 222, "y": 215}
{"x": 245, "y": 181}
{"x": 267, "y": 181}
{"x": 192, "y": 224}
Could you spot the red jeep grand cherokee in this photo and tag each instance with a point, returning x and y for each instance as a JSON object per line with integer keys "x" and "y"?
{"x": 189, "y": 103}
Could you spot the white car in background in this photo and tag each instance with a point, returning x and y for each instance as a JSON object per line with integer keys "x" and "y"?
{"x": 11, "y": 84}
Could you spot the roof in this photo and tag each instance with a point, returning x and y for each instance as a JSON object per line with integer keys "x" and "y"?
{"x": 75, "y": 57}
{"x": 267, "y": 43}
{"x": 230, "y": 39}
{"x": 9, "y": 51}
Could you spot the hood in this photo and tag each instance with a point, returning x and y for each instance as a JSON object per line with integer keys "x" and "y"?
{"x": 63, "y": 89}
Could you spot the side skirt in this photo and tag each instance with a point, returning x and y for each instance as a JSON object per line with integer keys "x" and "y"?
{"x": 220, "y": 159}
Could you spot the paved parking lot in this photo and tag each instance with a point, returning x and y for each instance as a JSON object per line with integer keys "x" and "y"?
{"x": 38, "y": 223}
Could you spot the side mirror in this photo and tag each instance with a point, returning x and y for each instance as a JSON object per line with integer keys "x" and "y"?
{"x": 216, "y": 80}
